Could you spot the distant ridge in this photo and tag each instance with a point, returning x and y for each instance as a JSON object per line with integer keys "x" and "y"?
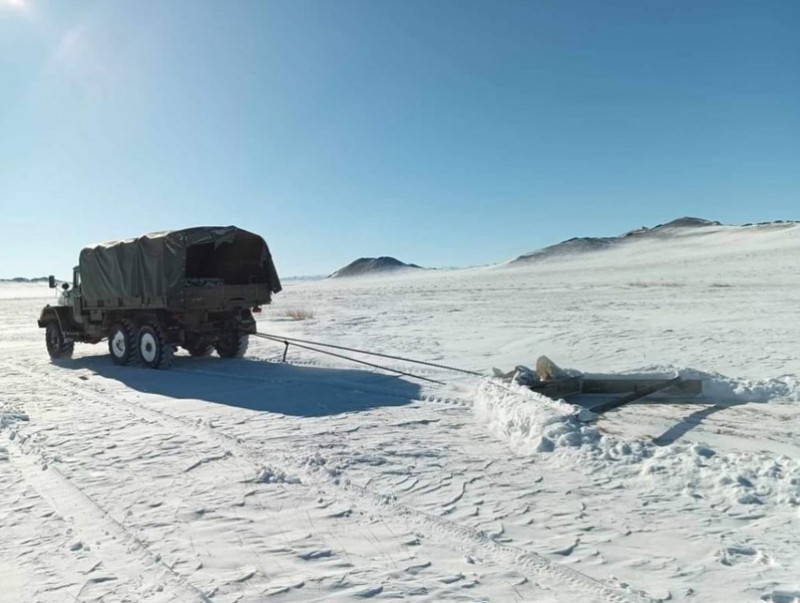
{"x": 363, "y": 266}
{"x": 22, "y": 279}
{"x": 581, "y": 245}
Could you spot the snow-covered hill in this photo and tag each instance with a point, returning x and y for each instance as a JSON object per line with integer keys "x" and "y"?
{"x": 682, "y": 229}
{"x": 320, "y": 480}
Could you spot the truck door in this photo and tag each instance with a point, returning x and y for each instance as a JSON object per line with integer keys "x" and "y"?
{"x": 76, "y": 297}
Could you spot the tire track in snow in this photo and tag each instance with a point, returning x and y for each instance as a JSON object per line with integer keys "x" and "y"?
{"x": 122, "y": 554}
{"x": 552, "y": 574}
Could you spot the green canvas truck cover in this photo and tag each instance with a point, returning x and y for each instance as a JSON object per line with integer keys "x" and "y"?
{"x": 163, "y": 263}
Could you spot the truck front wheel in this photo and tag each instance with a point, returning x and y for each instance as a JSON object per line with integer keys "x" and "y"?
{"x": 57, "y": 344}
{"x": 121, "y": 343}
{"x": 152, "y": 350}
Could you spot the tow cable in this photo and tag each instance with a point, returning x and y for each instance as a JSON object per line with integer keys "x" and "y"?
{"x": 315, "y": 346}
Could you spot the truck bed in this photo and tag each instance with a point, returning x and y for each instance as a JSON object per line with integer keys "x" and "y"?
{"x": 206, "y": 296}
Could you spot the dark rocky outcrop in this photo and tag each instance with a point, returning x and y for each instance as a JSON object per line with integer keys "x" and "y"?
{"x": 572, "y": 246}
{"x": 685, "y": 222}
{"x": 379, "y": 265}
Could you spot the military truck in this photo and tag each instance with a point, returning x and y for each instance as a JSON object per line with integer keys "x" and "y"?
{"x": 197, "y": 288}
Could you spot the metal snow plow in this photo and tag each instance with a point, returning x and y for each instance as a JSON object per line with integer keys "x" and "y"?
{"x": 598, "y": 394}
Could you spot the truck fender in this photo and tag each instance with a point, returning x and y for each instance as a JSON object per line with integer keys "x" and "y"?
{"x": 61, "y": 314}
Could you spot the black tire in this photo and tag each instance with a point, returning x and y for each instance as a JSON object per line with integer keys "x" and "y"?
{"x": 151, "y": 349}
{"x": 231, "y": 344}
{"x": 197, "y": 346}
{"x": 57, "y": 344}
{"x": 122, "y": 343}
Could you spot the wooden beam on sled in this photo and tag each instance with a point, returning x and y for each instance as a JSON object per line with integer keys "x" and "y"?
{"x": 633, "y": 388}
{"x": 621, "y": 385}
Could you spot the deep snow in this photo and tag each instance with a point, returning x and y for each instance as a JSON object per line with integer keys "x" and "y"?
{"x": 256, "y": 481}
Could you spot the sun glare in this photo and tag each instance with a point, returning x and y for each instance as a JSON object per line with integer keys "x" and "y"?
{"x": 20, "y": 7}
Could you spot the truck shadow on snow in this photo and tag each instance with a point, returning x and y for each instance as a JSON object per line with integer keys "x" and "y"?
{"x": 260, "y": 386}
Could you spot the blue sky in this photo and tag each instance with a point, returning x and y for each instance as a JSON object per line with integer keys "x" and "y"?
{"x": 440, "y": 132}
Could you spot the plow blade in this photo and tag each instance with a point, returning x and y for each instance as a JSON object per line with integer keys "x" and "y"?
{"x": 625, "y": 390}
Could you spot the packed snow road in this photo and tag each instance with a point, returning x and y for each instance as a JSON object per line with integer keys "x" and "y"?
{"x": 165, "y": 503}
{"x": 249, "y": 480}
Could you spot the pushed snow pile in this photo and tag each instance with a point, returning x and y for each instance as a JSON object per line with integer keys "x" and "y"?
{"x": 529, "y": 421}
{"x": 535, "y": 425}
{"x": 719, "y": 388}
{"x": 379, "y": 265}
{"x": 271, "y": 475}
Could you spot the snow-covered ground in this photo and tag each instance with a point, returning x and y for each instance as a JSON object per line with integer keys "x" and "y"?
{"x": 248, "y": 480}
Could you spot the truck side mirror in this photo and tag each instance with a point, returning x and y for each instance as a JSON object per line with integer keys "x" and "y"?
{"x": 51, "y": 281}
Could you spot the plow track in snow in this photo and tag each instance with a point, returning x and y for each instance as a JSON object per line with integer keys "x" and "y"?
{"x": 550, "y": 574}
{"x": 734, "y": 422}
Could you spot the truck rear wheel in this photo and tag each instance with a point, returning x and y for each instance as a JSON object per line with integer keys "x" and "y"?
{"x": 121, "y": 343}
{"x": 232, "y": 345}
{"x": 57, "y": 344}
{"x": 197, "y": 346}
{"x": 152, "y": 350}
